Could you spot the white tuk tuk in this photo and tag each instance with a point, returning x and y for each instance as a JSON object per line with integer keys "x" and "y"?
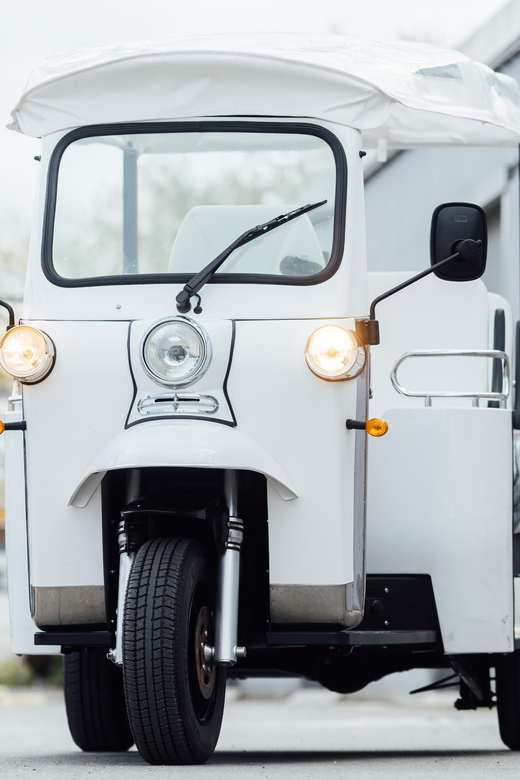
{"x": 189, "y": 495}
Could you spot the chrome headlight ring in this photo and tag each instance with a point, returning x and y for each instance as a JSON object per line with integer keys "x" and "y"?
{"x": 175, "y": 351}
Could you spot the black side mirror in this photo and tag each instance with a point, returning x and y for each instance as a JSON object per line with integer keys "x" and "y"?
{"x": 458, "y": 247}
{"x": 462, "y": 228}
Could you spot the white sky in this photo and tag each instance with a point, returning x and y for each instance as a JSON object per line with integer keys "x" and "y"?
{"x": 32, "y": 29}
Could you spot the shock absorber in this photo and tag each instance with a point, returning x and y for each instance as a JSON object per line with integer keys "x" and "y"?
{"x": 226, "y": 651}
{"x": 126, "y": 559}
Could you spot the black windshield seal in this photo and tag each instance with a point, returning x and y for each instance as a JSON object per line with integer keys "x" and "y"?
{"x": 304, "y": 128}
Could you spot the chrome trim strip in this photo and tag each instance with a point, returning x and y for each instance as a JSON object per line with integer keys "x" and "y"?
{"x": 429, "y": 394}
{"x": 68, "y": 606}
{"x": 516, "y": 585}
{"x": 178, "y": 403}
{"x": 310, "y": 604}
{"x": 355, "y": 595}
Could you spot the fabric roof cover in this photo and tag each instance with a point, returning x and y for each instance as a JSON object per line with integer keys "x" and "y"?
{"x": 407, "y": 94}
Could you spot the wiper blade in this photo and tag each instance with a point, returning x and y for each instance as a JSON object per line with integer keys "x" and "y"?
{"x": 198, "y": 281}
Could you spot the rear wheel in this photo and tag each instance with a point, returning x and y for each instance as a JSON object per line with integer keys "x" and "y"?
{"x": 508, "y": 699}
{"x": 95, "y": 703}
{"x": 175, "y": 699}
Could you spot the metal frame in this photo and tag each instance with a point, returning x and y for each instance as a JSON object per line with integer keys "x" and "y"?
{"x": 494, "y": 354}
{"x": 226, "y": 651}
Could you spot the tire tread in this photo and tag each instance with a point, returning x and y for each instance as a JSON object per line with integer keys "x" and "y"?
{"x": 154, "y": 666}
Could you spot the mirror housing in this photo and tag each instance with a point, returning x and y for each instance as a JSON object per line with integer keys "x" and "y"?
{"x": 459, "y": 227}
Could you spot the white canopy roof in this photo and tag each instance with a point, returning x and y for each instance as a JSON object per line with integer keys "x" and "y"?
{"x": 407, "y": 94}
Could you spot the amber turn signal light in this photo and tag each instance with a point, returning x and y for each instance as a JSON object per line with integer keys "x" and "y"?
{"x": 2, "y": 427}
{"x": 376, "y": 427}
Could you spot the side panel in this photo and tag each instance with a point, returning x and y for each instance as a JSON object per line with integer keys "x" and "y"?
{"x": 440, "y": 481}
{"x": 440, "y": 503}
{"x": 21, "y": 623}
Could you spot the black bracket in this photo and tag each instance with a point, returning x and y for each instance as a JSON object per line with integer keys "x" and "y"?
{"x": 15, "y": 426}
{"x": 368, "y": 332}
{"x": 74, "y": 638}
{"x": 356, "y": 425}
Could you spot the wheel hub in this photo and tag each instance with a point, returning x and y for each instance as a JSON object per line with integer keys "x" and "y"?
{"x": 206, "y": 672}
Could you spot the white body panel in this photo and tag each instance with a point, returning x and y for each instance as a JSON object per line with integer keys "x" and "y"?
{"x": 22, "y": 628}
{"x": 70, "y": 415}
{"x": 439, "y": 496}
{"x": 180, "y": 443}
{"x": 439, "y": 487}
{"x": 301, "y": 418}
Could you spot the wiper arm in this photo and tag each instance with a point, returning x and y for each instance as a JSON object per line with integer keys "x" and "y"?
{"x": 198, "y": 281}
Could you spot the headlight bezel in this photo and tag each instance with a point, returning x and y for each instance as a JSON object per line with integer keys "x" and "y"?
{"x": 47, "y": 364}
{"x": 355, "y": 368}
{"x": 206, "y": 349}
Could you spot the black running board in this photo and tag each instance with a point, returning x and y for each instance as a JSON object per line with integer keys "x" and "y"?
{"x": 352, "y": 638}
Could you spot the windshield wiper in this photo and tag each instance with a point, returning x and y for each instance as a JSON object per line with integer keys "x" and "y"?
{"x": 198, "y": 281}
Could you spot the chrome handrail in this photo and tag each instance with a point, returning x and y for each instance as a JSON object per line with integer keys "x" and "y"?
{"x": 429, "y": 394}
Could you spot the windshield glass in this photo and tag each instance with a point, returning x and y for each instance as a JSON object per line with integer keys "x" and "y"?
{"x": 169, "y": 202}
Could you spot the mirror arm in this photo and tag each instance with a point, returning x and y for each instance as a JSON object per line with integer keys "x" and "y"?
{"x": 10, "y": 311}
{"x": 369, "y": 329}
{"x": 408, "y": 283}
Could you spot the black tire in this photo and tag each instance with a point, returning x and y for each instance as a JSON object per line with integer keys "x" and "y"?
{"x": 95, "y": 703}
{"x": 174, "y": 707}
{"x": 508, "y": 699}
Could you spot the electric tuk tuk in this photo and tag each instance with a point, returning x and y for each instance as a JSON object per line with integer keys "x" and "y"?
{"x": 198, "y": 366}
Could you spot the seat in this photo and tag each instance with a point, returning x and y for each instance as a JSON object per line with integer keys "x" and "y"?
{"x": 292, "y": 249}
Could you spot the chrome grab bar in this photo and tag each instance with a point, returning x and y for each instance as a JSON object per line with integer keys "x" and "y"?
{"x": 494, "y": 354}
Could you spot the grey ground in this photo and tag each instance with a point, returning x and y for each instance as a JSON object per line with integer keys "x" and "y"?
{"x": 309, "y": 733}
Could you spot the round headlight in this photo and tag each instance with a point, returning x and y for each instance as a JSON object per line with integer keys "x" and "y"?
{"x": 26, "y": 353}
{"x": 176, "y": 352}
{"x": 335, "y": 353}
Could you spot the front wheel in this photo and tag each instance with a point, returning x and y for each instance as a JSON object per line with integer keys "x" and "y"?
{"x": 175, "y": 700}
{"x": 508, "y": 699}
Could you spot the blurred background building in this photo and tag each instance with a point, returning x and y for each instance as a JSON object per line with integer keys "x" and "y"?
{"x": 402, "y": 193}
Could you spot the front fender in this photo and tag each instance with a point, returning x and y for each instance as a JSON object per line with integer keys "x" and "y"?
{"x": 182, "y": 443}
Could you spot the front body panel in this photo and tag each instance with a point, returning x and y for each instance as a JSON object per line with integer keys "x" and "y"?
{"x": 278, "y": 406}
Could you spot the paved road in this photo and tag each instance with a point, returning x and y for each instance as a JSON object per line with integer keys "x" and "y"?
{"x": 310, "y": 734}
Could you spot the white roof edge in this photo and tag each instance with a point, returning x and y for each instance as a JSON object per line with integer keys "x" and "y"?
{"x": 409, "y": 94}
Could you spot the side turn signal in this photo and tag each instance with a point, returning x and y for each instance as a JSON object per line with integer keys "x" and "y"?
{"x": 376, "y": 427}
{"x": 2, "y": 427}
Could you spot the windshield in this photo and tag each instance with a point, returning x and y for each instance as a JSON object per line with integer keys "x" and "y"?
{"x": 167, "y": 203}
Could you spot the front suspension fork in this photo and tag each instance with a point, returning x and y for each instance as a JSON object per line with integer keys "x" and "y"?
{"x": 226, "y": 651}
{"x": 126, "y": 559}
